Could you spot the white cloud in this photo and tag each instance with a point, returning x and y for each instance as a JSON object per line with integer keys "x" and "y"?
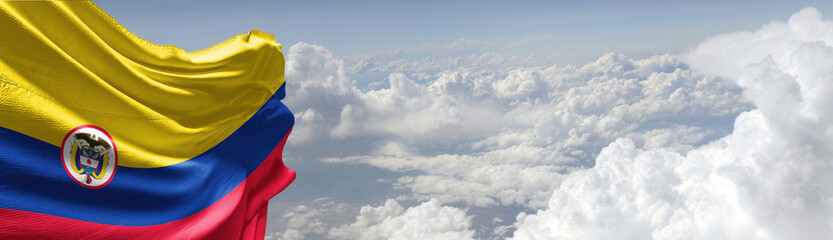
{"x": 323, "y": 94}
{"x": 489, "y": 135}
{"x": 434, "y": 65}
{"x": 503, "y": 137}
{"x": 768, "y": 179}
{"x": 635, "y": 194}
{"x": 368, "y": 216}
{"x": 726, "y": 55}
{"x": 430, "y": 220}
{"x": 312, "y": 219}
{"x": 496, "y": 131}
{"x": 290, "y": 234}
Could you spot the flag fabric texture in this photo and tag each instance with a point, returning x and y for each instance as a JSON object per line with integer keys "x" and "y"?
{"x": 104, "y": 135}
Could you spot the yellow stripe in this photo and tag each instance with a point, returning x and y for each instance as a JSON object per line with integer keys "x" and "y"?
{"x": 65, "y": 64}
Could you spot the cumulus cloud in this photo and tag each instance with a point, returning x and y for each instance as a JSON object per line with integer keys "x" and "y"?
{"x": 485, "y": 132}
{"x": 726, "y": 55}
{"x": 430, "y": 220}
{"x": 487, "y": 136}
{"x": 616, "y": 148}
{"x": 312, "y": 219}
{"x": 768, "y": 179}
{"x": 505, "y": 137}
{"x": 426, "y": 68}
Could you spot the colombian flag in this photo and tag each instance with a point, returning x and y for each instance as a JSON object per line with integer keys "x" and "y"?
{"x": 106, "y": 135}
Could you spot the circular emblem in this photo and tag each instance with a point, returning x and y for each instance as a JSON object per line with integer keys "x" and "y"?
{"x": 89, "y": 155}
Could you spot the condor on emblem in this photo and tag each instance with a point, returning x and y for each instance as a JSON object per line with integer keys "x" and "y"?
{"x": 89, "y": 155}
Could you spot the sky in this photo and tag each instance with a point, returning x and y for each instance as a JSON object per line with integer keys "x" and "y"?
{"x": 353, "y": 28}
{"x": 540, "y": 119}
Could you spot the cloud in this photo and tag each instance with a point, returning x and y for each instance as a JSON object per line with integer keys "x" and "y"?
{"x": 505, "y": 137}
{"x": 429, "y": 220}
{"x": 431, "y": 65}
{"x": 312, "y": 219}
{"x": 726, "y": 55}
{"x": 768, "y": 179}
{"x": 618, "y": 148}
{"x": 483, "y": 132}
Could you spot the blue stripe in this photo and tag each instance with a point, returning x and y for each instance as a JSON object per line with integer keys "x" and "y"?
{"x": 32, "y": 176}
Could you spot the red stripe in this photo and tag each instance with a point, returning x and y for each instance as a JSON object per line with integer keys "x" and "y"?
{"x": 241, "y": 214}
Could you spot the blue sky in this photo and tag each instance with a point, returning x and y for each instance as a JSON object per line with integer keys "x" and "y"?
{"x": 579, "y": 31}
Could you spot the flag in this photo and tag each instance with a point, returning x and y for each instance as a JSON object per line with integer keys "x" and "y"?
{"x": 106, "y": 135}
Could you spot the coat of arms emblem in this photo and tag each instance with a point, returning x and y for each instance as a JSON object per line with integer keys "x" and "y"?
{"x": 89, "y": 156}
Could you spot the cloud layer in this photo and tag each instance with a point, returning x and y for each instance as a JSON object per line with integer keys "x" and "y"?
{"x": 504, "y": 136}
{"x": 429, "y": 220}
{"x": 617, "y": 148}
{"x": 769, "y": 179}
